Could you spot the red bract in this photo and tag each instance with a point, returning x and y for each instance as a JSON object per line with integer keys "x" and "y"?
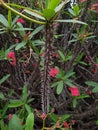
{"x": 95, "y": 7}
{"x": 74, "y": 91}
{"x": 53, "y": 72}
{"x": 82, "y": 1}
{"x": 58, "y": 124}
{"x": 20, "y": 20}
{"x": 43, "y": 115}
{"x": 95, "y": 69}
{"x": 66, "y": 124}
{"x": 11, "y": 55}
{"x": 10, "y": 117}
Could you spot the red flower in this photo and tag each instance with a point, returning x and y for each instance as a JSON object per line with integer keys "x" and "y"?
{"x": 43, "y": 115}
{"x": 11, "y": 55}
{"x": 66, "y": 124}
{"x": 57, "y": 124}
{"x": 95, "y": 69}
{"x": 82, "y": 1}
{"x": 53, "y": 72}
{"x": 95, "y": 7}
{"x": 74, "y": 91}
{"x": 10, "y": 117}
{"x": 20, "y": 20}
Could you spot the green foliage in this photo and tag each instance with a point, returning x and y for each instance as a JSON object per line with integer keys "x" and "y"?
{"x": 14, "y": 123}
{"x": 4, "y": 78}
{"x": 30, "y": 122}
{"x": 93, "y": 84}
{"x": 62, "y": 80}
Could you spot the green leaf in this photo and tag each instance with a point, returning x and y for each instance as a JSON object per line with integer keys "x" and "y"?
{"x": 24, "y": 93}
{"x": 65, "y": 117}
{"x": 48, "y": 13}
{"x": 60, "y": 6}
{"x": 92, "y": 84}
{"x": 34, "y": 14}
{"x": 76, "y": 10}
{"x": 69, "y": 83}
{"x": 54, "y": 117}
{"x": 2, "y": 96}
{"x": 82, "y": 96}
{"x": 20, "y": 45}
{"x": 14, "y": 123}
{"x": 54, "y": 84}
{"x": 28, "y": 109}
{"x": 71, "y": 21}
{"x": 69, "y": 74}
{"x": 15, "y": 103}
{"x": 95, "y": 90}
{"x": 47, "y": 3}
{"x": 3, "y": 20}
{"x": 37, "y": 30}
{"x": 22, "y": 29}
{"x": 96, "y": 122}
{"x": 75, "y": 103}
{"x": 71, "y": 11}
{"x": 9, "y": 18}
{"x": 53, "y": 4}
{"x": 59, "y": 87}
{"x": 61, "y": 55}
{"x": 30, "y": 122}
{"x": 4, "y": 78}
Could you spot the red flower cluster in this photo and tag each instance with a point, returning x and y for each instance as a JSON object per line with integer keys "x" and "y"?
{"x": 53, "y": 72}
{"x": 74, "y": 91}
{"x": 43, "y": 116}
{"x": 65, "y": 124}
{"x": 10, "y": 117}
{"x": 11, "y": 55}
{"x": 95, "y": 7}
{"x": 20, "y": 20}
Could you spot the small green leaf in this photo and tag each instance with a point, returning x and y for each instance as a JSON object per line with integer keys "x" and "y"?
{"x": 96, "y": 122}
{"x": 24, "y": 93}
{"x": 30, "y": 122}
{"x": 34, "y": 14}
{"x": 65, "y": 117}
{"x": 3, "y": 20}
{"x": 20, "y": 45}
{"x": 59, "y": 87}
{"x": 15, "y": 103}
{"x": 48, "y": 13}
{"x": 75, "y": 103}
{"x": 9, "y": 18}
{"x": 37, "y": 30}
{"x": 14, "y": 123}
{"x": 91, "y": 83}
{"x": 53, "y": 4}
{"x": 2, "y": 96}
{"x": 69, "y": 74}
{"x": 54, "y": 117}
{"x": 61, "y": 55}
{"x": 60, "y": 6}
{"x": 71, "y": 21}
{"x": 27, "y": 107}
{"x": 4, "y": 78}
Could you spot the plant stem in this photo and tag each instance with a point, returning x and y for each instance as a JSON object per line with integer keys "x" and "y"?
{"x": 45, "y": 88}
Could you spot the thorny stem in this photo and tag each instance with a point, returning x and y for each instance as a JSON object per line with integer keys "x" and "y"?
{"x": 45, "y": 88}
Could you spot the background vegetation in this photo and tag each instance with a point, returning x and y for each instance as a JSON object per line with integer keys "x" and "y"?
{"x": 73, "y": 71}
